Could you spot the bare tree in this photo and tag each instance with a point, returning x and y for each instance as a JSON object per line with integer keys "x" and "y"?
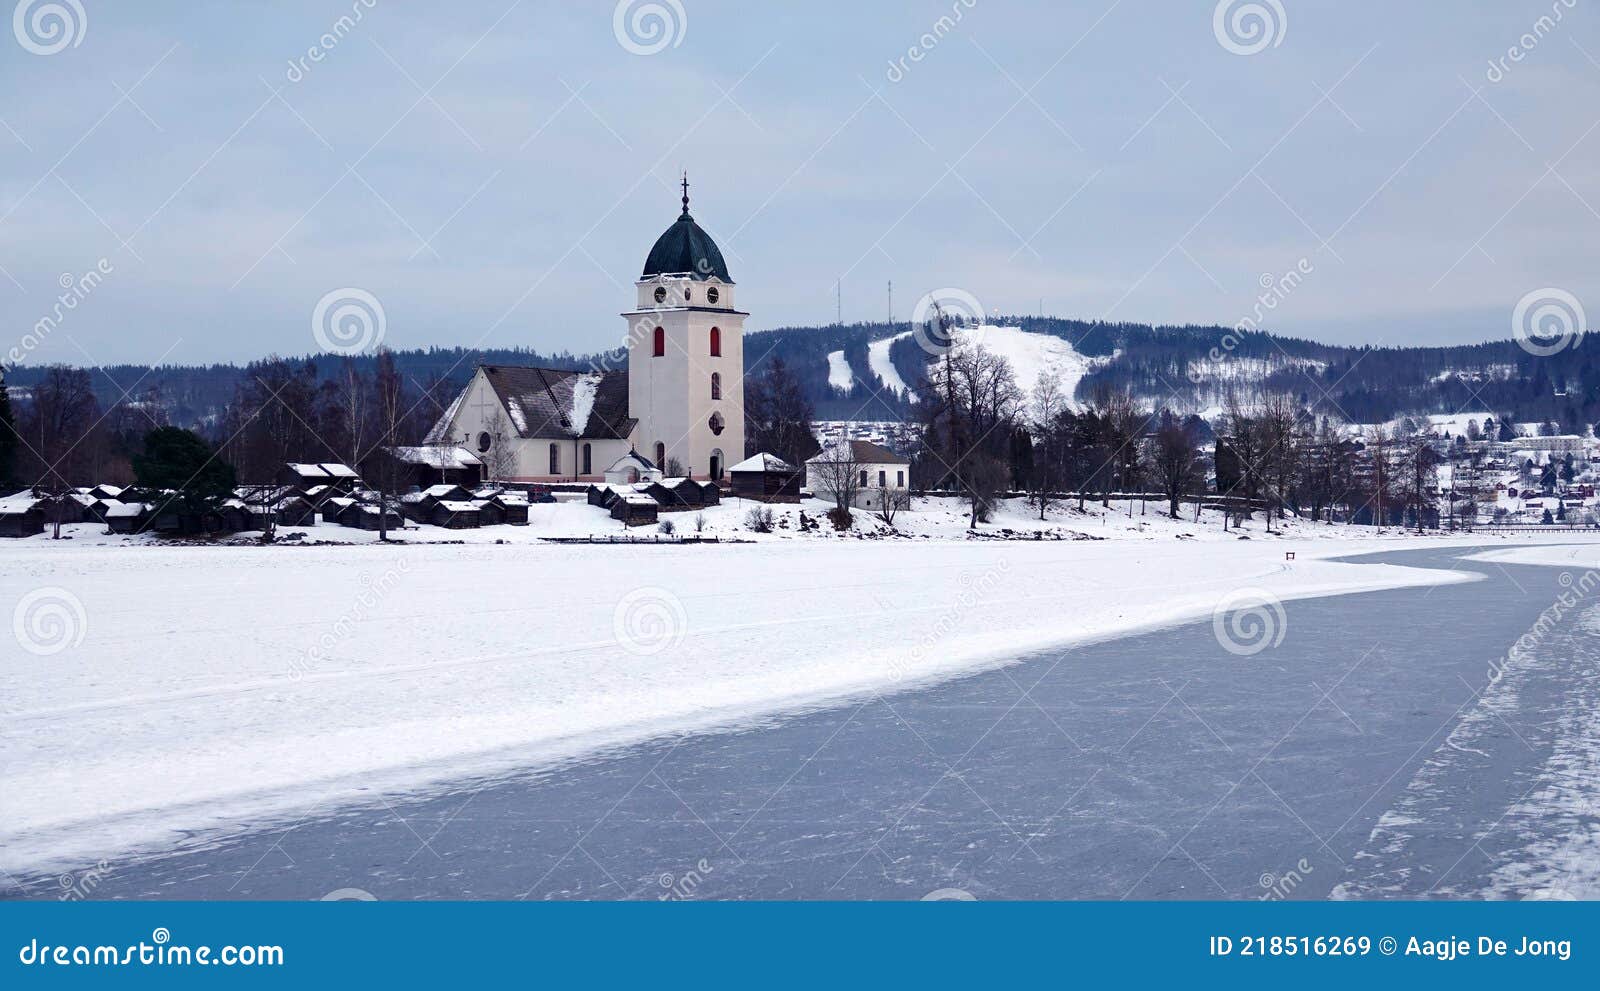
{"x": 390, "y": 406}
{"x": 1380, "y": 469}
{"x": 500, "y": 460}
{"x": 1176, "y": 459}
{"x": 890, "y": 502}
{"x": 351, "y": 400}
{"x": 983, "y": 478}
{"x": 838, "y": 476}
{"x": 61, "y": 428}
{"x": 1282, "y": 447}
{"x": 1048, "y": 403}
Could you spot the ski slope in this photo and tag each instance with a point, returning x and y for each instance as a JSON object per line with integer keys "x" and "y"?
{"x": 878, "y": 361}
{"x": 1028, "y": 354}
{"x": 839, "y": 375}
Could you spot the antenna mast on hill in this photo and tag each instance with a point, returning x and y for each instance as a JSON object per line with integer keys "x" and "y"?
{"x": 891, "y": 302}
{"x": 838, "y": 302}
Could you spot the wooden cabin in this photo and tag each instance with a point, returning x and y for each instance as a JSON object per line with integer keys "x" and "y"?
{"x": 513, "y": 507}
{"x": 364, "y": 516}
{"x": 420, "y": 505}
{"x": 683, "y": 493}
{"x": 296, "y": 511}
{"x": 21, "y": 515}
{"x": 334, "y": 507}
{"x": 766, "y": 478}
{"x": 126, "y": 517}
{"x": 634, "y": 509}
{"x": 455, "y": 515}
{"x": 426, "y": 466}
{"x": 490, "y": 512}
{"x": 603, "y": 495}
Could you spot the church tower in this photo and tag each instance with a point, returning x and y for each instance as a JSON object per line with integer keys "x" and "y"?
{"x": 686, "y": 354}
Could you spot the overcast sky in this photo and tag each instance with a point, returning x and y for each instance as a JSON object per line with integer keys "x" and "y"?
{"x": 494, "y": 172}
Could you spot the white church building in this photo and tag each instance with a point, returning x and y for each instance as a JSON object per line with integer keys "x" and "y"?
{"x": 680, "y": 403}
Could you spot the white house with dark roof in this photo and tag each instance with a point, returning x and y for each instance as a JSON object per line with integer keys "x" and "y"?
{"x": 881, "y": 474}
{"x": 680, "y": 400}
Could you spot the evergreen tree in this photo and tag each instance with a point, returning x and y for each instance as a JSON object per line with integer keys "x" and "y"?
{"x": 178, "y": 461}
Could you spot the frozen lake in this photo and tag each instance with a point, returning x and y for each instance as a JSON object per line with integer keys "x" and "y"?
{"x": 1362, "y": 754}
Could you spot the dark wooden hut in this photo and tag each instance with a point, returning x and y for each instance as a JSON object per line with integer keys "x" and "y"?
{"x": 766, "y": 478}
{"x": 634, "y": 509}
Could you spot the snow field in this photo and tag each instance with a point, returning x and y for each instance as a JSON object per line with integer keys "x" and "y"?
{"x": 203, "y": 690}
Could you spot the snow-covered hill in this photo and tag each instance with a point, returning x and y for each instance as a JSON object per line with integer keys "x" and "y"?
{"x": 1029, "y": 354}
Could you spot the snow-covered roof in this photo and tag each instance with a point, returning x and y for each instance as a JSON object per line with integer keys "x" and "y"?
{"x": 763, "y": 462}
{"x": 441, "y": 428}
{"x": 636, "y": 499}
{"x": 859, "y": 451}
{"x": 456, "y": 506}
{"x": 634, "y": 458}
{"x": 584, "y": 388}
{"x": 437, "y": 456}
{"x": 440, "y": 491}
{"x": 339, "y": 471}
{"x": 19, "y": 503}
{"x": 124, "y": 509}
{"x": 308, "y": 471}
{"x": 341, "y": 502}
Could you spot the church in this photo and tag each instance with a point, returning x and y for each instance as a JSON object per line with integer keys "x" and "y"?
{"x": 679, "y": 404}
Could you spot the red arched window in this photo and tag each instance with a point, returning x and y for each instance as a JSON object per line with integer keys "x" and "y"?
{"x": 716, "y": 342}
{"x": 660, "y": 343}
{"x": 716, "y": 385}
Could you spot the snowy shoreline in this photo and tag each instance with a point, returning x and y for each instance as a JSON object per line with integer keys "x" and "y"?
{"x": 222, "y": 689}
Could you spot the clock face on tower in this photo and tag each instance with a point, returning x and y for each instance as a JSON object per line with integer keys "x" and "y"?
{"x": 712, "y": 295}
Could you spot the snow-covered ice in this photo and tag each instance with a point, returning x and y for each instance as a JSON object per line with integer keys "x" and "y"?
{"x": 219, "y": 687}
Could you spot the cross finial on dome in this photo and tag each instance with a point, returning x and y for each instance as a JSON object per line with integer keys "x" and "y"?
{"x": 685, "y": 193}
